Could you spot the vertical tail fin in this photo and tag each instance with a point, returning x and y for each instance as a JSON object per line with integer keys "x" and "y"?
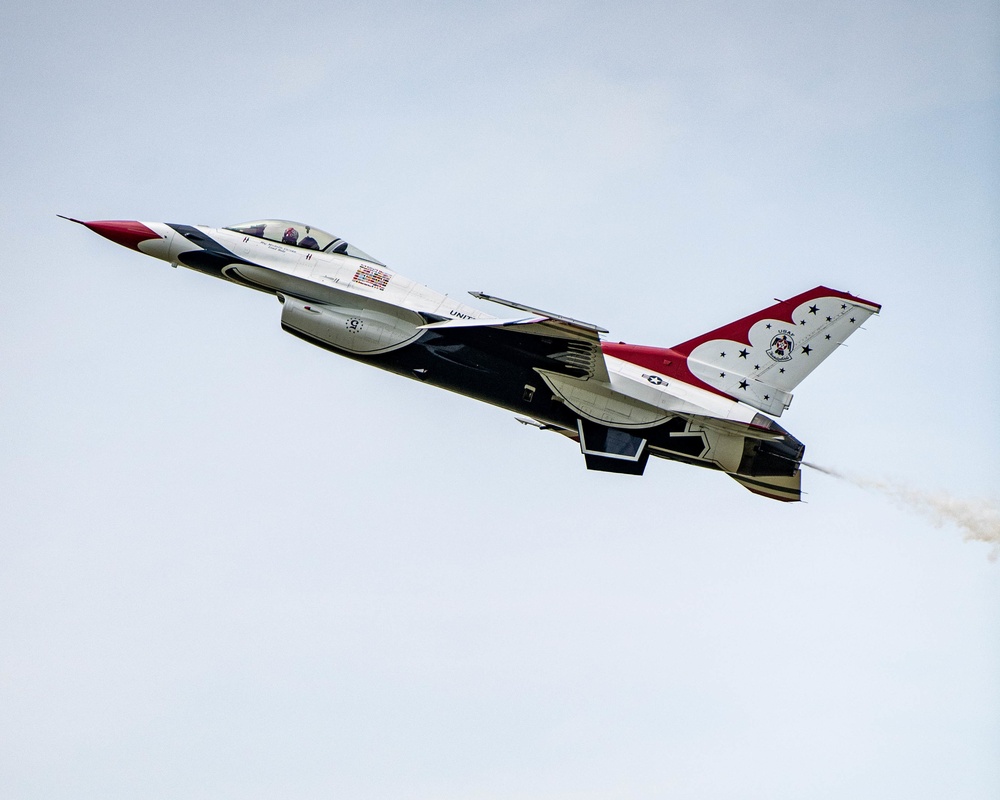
{"x": 759, "y": 359}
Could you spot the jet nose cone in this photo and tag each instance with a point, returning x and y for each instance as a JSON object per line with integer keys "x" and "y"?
{"x": 124, "y": 232}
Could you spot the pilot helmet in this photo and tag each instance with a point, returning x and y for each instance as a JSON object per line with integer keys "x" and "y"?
{"x": 291, "y": 236}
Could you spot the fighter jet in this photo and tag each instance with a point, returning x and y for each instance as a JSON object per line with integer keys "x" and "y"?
{"x": 704, "y": 402}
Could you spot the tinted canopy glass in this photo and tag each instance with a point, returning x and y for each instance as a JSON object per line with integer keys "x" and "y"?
{"x": 296, "y": 234}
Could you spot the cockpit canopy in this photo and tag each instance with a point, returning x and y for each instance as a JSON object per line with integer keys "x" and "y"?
{"x": 296, "y": 234}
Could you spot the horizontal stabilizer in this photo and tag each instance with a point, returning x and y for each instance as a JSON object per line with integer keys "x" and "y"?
{"x": 787, "y": 488}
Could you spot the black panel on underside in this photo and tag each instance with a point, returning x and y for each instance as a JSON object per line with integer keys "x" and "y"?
{"x": 622, "y": 467}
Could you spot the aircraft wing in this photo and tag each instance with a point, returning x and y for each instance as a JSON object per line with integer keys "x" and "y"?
{"x": 576, "y": 344}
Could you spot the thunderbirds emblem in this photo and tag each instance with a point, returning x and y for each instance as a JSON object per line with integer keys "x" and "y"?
{"x": 782, "y": 346}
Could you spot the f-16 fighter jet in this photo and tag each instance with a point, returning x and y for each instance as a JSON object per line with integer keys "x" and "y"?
{"x": 698, "y": 402}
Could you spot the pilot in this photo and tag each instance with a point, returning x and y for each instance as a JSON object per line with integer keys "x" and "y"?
{"x": 291, "y": 236}
{"x": 309, "y": 242}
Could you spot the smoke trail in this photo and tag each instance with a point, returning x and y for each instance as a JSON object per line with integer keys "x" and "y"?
{"x": 978, "y": 519}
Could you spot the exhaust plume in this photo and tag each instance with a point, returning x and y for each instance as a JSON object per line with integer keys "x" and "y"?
{"x": 978, "y": 519}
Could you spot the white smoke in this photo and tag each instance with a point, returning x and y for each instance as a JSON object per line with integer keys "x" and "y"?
{"x": 979, "y": 519}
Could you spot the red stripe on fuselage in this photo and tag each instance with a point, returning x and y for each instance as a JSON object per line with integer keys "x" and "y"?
{"x": 659, "y": 360}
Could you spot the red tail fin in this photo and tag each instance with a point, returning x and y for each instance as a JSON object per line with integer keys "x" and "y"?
{"x": 760, "y": 358}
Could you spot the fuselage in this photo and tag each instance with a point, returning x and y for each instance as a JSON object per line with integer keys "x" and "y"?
{"x": 328, "y": 277}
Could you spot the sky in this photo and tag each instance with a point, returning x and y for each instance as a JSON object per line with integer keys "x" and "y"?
{"x": 236, "y": 566}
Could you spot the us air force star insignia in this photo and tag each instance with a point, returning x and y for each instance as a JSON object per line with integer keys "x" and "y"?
{"x": 656, "y": 380}
{"x": 782, "y": 346}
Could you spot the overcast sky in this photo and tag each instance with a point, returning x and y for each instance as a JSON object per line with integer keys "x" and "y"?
{"x": 237, "y": 566}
